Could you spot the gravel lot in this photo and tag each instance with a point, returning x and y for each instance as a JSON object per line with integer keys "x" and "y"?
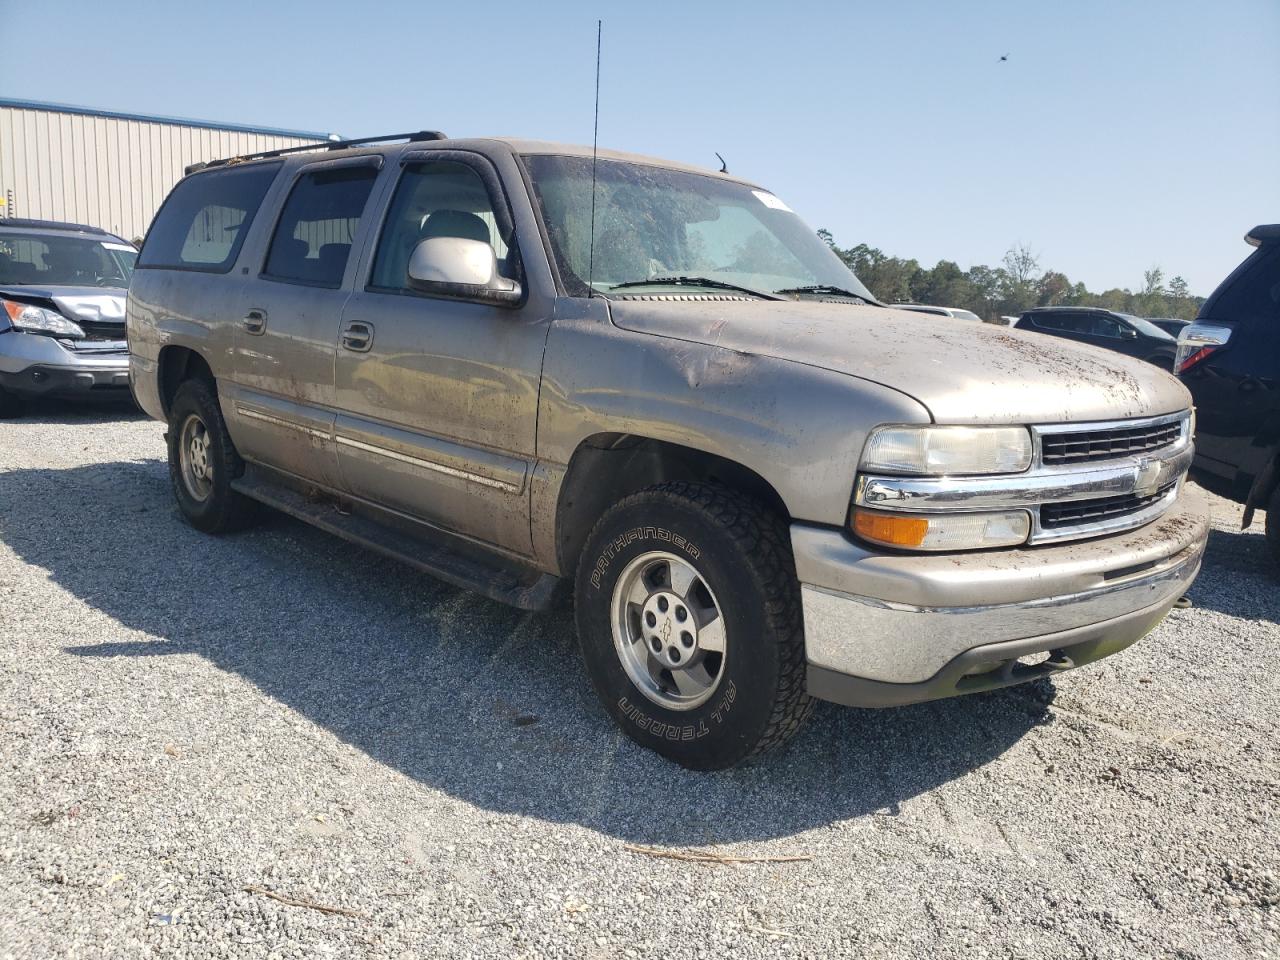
{"x": 182, "y": 717}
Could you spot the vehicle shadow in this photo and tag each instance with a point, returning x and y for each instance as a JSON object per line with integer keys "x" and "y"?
{"x": 97, "y": 410}
{"x": 486, "y": 703}
{"x": 1245, "y": 579}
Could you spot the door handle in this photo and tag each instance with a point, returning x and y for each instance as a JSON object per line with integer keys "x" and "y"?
{"x": 1248, "y": 385}
{"x": 255, "y": 321}
{"x": 358, "y": 336}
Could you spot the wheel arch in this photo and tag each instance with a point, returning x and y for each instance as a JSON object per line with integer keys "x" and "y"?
{"x": 607, "y": 467}
{"x": 177, "y": 364}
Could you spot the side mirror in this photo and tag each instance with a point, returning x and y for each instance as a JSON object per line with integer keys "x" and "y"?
{"x": 1128, "y": 333}
{"x": 456, "y": 267}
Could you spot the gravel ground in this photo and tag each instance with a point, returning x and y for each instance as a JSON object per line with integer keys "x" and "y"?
{"x": 183, "y": 717}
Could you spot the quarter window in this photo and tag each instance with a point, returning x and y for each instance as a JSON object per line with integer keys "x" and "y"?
{"x": 435, "y": 199}
{"x": 312, "y": 242}
{"x": 205, "y": 218}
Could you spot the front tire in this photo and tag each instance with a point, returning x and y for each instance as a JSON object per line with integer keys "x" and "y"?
{"x": 688, "y": 613}
{"x": 203, "y": 461}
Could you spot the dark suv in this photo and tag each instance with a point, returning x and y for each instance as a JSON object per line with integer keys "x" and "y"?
{"x": 1230, "y": 361}
{"x": 1104, "y": 328}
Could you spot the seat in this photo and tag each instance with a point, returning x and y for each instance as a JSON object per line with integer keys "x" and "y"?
{"x": 289, "y": 259}
{"x": 332, "y": 261}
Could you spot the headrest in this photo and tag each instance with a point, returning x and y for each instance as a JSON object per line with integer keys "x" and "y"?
{"x": 456, "y": 223}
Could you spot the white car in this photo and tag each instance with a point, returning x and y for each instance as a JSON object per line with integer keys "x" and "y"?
{"x": 940, "y": 311}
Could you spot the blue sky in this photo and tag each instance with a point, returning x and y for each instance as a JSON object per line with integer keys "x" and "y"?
{"x": 1119, "y": 135}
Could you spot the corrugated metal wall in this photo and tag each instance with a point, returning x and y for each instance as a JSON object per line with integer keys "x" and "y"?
{"x": 108, "y": 172}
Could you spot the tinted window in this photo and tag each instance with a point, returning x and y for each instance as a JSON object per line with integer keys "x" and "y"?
{"x": 204, "y": 221}
{"x": 312, "y": 242}
{"x": 1063, "y": 322}
{"x": 49, "y": 260}
{"x": 1256, "y": 293}
{"x": 443, "y": 199}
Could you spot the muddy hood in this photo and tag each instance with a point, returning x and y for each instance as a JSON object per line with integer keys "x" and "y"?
{"x": 963, "y": 372}
{"x": 82, "y": 304}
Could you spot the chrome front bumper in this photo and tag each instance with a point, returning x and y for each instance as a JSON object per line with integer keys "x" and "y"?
{"x": 906, "y": 627}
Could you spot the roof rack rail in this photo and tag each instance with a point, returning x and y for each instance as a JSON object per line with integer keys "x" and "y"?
{"x": 416, "y": 137}
{"x": 53, "y": 225}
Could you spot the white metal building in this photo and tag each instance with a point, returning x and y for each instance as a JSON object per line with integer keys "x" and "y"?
{"x": 110, "y": 169}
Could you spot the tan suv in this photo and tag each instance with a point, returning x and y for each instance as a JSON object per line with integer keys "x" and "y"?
{"x": 520, "y": 367}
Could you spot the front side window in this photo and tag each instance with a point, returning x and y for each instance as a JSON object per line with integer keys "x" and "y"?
{"x": 312, "y": 242}
{"x": 205, "y": 218}
{"x": 57, "y": 261}
{"x": 653, "y": 222}
{"x": 435, "y": 199}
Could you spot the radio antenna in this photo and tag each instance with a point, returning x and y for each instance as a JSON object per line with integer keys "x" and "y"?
{"x": 595, "y": 139}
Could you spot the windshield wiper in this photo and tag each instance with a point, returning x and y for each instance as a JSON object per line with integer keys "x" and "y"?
{"x": 693, "y": 282}
{"x": 823, "y": 288}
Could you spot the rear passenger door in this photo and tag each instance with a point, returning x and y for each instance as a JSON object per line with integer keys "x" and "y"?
{"x": 285, "y": 332}
{"x": 438, "y": 398}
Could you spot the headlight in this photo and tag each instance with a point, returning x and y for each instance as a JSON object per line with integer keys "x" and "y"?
{"x": 947, "y": 451}
{"x": 29, "y": 319}
{"x": 942, "y": 531}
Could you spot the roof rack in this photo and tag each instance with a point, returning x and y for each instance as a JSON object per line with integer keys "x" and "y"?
{"x": 416, "y": 137}
{"x": 53, "y": 225}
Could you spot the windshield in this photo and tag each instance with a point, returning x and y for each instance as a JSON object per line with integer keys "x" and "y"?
{"x": 1147, "y": 328}
{"x": 652, "y": 222}
{"x": 47, "y": 260}
{"x": 966, "y": 315}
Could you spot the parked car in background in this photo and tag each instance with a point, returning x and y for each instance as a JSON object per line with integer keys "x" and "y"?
{"x": 62, "y": 294}
{"x": 1230, "y": 361}
{"x": 1170, "y": 325}
{"x": 956, "y": 312}
{"x": 1120, "y": 332}
{"x": 751, "y": 501}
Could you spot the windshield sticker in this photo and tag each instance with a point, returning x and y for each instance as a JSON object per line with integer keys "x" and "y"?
{"x": 770, "y": 201}
{"x": 118, "y": 246}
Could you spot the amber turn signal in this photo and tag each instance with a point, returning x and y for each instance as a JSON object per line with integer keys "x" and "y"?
{"x": 891, "y": 529}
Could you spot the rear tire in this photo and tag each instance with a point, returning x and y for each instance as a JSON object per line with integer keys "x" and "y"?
{"x": 203, "y": 461}
{"x": 688, "y": 613}
{"x": 1273, "y": 524}
{"x": 11, "y": 405}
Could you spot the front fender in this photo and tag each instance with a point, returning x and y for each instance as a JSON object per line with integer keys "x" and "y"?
{"x": 799, "y": 427}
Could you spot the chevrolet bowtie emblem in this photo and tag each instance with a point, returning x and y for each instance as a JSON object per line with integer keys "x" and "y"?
{"x": 1146, "y": 479}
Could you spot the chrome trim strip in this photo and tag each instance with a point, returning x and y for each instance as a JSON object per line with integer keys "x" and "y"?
{"x": 427, "y": 464}
{"x": 1093, "y": 426}
{"x": 281, "y": 422}
{"x": 1023, "y": 490}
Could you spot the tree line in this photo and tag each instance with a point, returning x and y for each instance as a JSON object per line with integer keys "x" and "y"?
{"x": 1018, "y": 284}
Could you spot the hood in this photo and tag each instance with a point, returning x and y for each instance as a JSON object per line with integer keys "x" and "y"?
{"x": 82, "y": 304}
{"x": 963, "y": 372}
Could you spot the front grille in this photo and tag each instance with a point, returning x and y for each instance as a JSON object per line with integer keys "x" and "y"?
{"x": 1079, "y": 512}
{"x": 97, "y": 330}
{"x": 1085, "y": 446}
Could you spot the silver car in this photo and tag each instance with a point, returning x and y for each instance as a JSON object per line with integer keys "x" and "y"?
{"x": 62, "y": 292}
{"x": 539, "y": 373}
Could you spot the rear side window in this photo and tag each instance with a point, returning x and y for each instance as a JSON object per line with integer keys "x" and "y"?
{"x": 312, "y": 242}
{"x": 204, "y": 221}
{"x": 1254, "y": 293}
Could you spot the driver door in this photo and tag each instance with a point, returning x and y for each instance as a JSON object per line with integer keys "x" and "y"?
{"x": 437, "y": 398}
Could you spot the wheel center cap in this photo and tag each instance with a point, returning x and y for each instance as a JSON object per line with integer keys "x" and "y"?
{"x": 669, "y": 630}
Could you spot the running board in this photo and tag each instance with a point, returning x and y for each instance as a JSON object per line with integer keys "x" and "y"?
{"x": 467, "y": 567}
